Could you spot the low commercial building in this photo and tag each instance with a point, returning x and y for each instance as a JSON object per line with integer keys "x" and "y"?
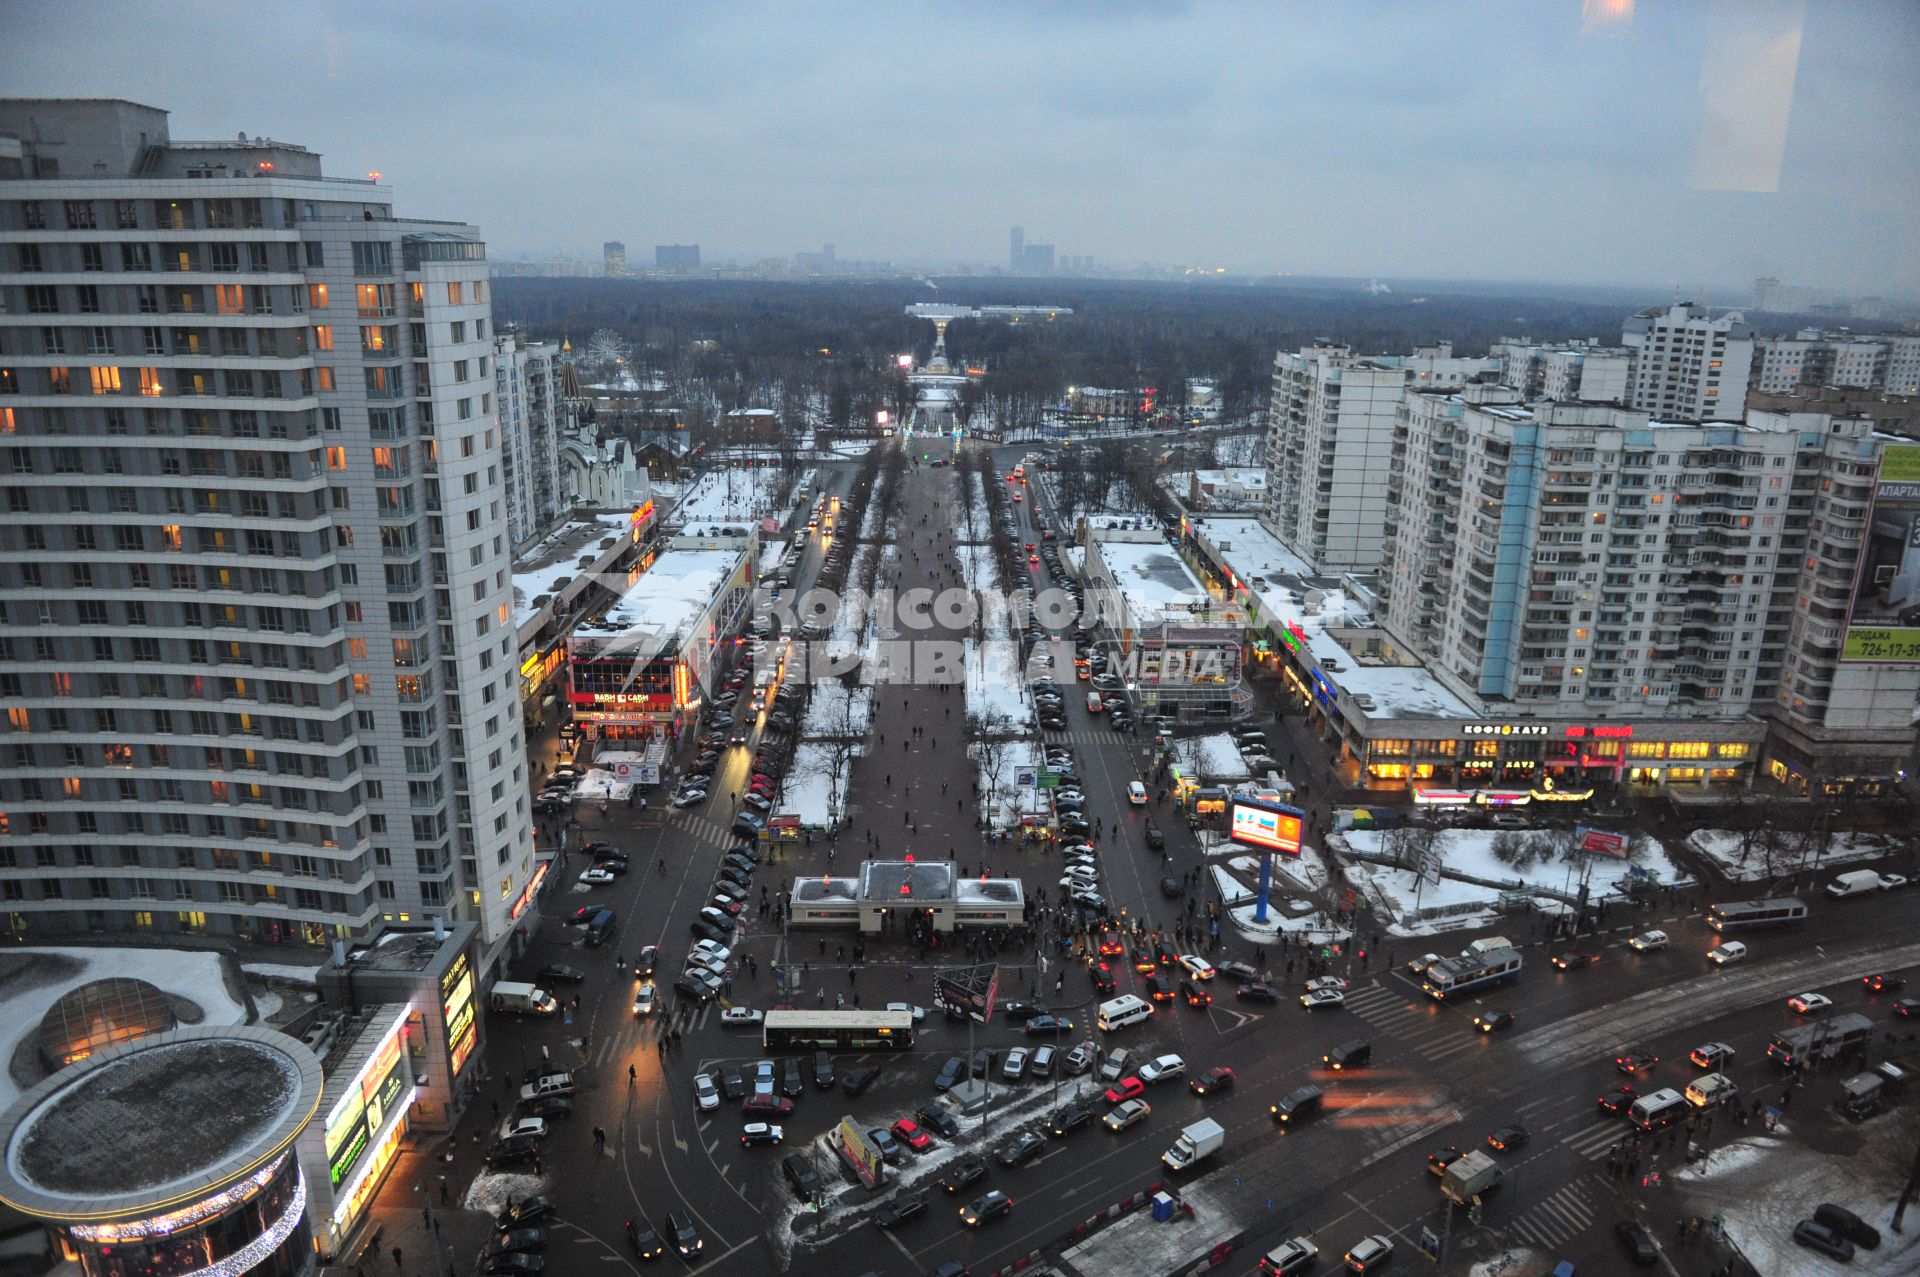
{"x": 643, "y": 668}
{"x": 1175, "y": 647}
{"x": 574, "y": 571}
{"x": 880, "y": 888}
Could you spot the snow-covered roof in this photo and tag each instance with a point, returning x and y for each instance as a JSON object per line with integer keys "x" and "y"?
{"x": 670, "y": 596}
{"x": 1284, "y": 581}
{"x": 1156, "y": 584}
{"x": 538, "y": 572}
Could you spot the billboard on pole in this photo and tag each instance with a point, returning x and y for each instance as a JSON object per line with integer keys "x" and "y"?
{"x": 1603, "y": 841}
{"x": 1883, "y": 620}
{"x": 1266, "y": 825}
{"x": 968, "y": 991}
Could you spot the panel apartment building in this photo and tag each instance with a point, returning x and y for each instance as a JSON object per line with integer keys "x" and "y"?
{"x": 1330, "y": 441}
{"x": 1583, "y": 562}
{"x": 1688, "y": 365}
{"x": 254, "y": 562}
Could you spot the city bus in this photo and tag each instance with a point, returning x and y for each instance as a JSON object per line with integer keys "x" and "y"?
{"x": 1784, "y": 911}
{"x": 837, "y": 1031}
{"x": 1457, "y": 976}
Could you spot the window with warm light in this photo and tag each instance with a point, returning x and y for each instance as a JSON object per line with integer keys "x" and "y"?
{"x": 106, "y": 381}
{"x": 150, "y": 381}
{"x": 316, "y": 296}
{"x": 454, "y": 293}
{"x": 230, "y": 299}
{"x": 323, "y": 336}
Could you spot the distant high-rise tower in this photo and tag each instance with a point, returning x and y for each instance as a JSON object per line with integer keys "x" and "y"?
{"x": 1017, "y": 250}
{"x": 614, "y": 254}
{"x": 255, "y": 580}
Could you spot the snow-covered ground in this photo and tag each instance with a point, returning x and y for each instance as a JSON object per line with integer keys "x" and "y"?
{"x": 1470, "y": 851}
{"x": 1214, "y": 758}
{"x": 490, "y": 1192}
{"x": 1236, "y": 877}
{"x": 191, "y": 976}
{"x": 1762, "y": 1186}
{"x": 810, "y": 792}
{"x": 280, "y": 971}
{"x": 731, "y": 494}
{"x": 995, "y": 692}
{"x": 1749, "y": 862}
{"x": 837, "y": 710}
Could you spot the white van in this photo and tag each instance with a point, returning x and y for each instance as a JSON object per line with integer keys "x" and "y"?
{"x": 1136, "y": 793}
{"x": 1660, "y": 1109}
{"x": 1094, "y": 703}
{"x": 1728, "y": 951}
{"x": 1122, "y": 1011}
{"x": 1486, "y": 944}
{"x": 1711, "y": 1091}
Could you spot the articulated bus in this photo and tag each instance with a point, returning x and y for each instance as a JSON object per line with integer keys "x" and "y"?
{"x": 837, "y": 1030}
{"x": 1454, "y": 977}
{"x": 1785, "y": 911}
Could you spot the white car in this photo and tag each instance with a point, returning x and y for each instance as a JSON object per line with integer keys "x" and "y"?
{"x": 1327, "y": 982}
{"x": 643, "y": 999}
{"x": 739, "y": 1015}
{"x": 1198, "y": 967}
{"x": 1323, "y": 998}
{"x": 595, "y": 877}
{"x": 689, "y": 797}
{"x": 1162, "y": 1067}
{"x": 1648, "y": 941}
{"x": 1810, "y": 1003}
{"x": 705, "y": 1093}
{"x": 713, "y": 947}
{"x": 1136, "y": 793}
{"x": 1418, "y": 965}
{"x": 534, "y": 1126}
{"x": 706, "y": 962}
{"x": 919, "y": 1013}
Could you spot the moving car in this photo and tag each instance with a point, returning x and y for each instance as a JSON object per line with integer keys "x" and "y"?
{"x": 964, "y": 1173}
{"x": 1319, "y": 998}
{"x": 1212, "y": 1081}
{"x": 1648, "y": 941}
{"x": 989, "y": 1205}
{"x": 1711, "y": 1055}
{"x": 1162, "y": 1068}
{"x": 644, "y": 999}
{"x": 646, "y": 1243}
{"x": 1810, "y": 1003}
{"x": 1882, "y": 982}
{"x": 1069, "y": 1119}
{"x": 1370, "y": 1254}
{"x": 1257, "y": 993}
{"x": 1507, "y": 1138}
{"x": 1124, "y": 1089}
{"x": 1126, "y": 1115}
{"x": 1025, "y": 1147}
{"x": 1492, "y": 1021}
{"x": 899, "y": 1209}
{"x": 1634, "y": 1061}
{"x": 1637, "y": 1242}
{"x": 760, "y": 1133}
{"x": 1573, "y": 961}
{"x": 561, "y": 973}
{"x": 740, "y": 1015}
{"x": 860, "y": 1078}
{"x": 1200, "y": 969}
{"x": 1618, "y": 1100}
{"x": 685, "y": 1234}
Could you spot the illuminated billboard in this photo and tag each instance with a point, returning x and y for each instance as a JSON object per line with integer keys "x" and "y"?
{"x": 456, "y": 1001}
{"x": 1266, "y": 825}
{"x": 367, "y": 1099}
{"x": 1883, "y": 622}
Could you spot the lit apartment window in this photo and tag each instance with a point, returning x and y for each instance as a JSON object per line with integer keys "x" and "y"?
{"x": 454, "y": 292}
{"x": 316, "y": 296}
{"x": 106, "y": 381}
{"x": 323, "y": 336}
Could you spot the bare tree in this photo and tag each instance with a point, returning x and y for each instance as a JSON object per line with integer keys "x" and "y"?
{"x": 994, "y": 733}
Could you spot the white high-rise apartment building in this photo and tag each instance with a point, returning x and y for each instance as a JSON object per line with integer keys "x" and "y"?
{"x": 533, "y": 419}
{"x": 1688, "y": 365}
{"x": 1853, "y": 361}
{"x": 1579, "y": 560}
{"x": 1331, "y": 433}
{"x": 256, "y": 649}
{"x": 1903, "y": 366}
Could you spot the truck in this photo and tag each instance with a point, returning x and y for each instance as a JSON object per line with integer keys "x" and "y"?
{"x": 1858, "y": 882}
{"x": 1470, "y": 1175}
{"x": 526, "y": 999}
{"x": 1485, "y": 945}
{"x": 1829, "y": 1039}
{"x": 1197, "y": 1141}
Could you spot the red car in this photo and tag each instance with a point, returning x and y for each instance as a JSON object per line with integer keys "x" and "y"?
{"x": 908, "y": 1132}
{"x": 1125, "y": 1089}
{"x": 766, "y": 1106}
{"x": 1216, "y": 1079}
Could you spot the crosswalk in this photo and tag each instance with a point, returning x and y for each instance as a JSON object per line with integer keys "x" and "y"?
{"x": 1414, "y": 1021}
{"x": 1086, "y": 736}
{"x": 1558, "y": 1218}
{"x": 1592, "y": 1142}
{"x": 635, "y": 1035}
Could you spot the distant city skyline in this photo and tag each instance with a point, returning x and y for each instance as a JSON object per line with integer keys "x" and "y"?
{"x": 1684, "y": 147}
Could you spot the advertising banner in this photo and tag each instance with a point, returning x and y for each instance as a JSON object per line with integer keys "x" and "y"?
{"x": 861, "y": 1155}
{"x": 1883, "y": 621}
{"x": 1268, "y": 826}
{"x": 1602, "y": 841}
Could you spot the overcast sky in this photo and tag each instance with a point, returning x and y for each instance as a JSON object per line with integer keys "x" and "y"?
{"x": 1529, "y": 140}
